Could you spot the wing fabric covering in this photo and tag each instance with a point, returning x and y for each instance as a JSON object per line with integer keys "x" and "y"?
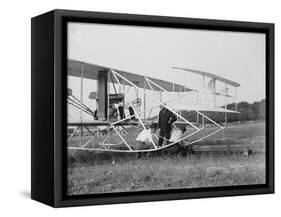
{"x": 90, "y": 71}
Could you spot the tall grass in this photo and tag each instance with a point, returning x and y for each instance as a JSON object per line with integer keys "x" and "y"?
{"x": 91, "y": 172}
{"x": 165, "y": 172}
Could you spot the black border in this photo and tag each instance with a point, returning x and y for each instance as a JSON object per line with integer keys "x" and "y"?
{"x": 42, "y": 108}
{"x": 60, "y": 85}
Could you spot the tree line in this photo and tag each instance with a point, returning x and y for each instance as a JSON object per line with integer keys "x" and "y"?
{"x": 247, "y": 112}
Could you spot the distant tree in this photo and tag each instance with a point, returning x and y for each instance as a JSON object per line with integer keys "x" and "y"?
{"x": 261, "y": 113}
{"x": 256, "y": 108}
{"x": 250, "y": 114}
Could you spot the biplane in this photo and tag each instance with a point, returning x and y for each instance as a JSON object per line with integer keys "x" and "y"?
{"x": 126, "y": 103}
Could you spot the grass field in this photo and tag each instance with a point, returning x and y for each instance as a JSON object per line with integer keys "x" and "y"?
{"x": 90, "y": 173}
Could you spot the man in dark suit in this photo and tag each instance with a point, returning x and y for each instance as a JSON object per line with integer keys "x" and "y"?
{"x": 166, "y": 119}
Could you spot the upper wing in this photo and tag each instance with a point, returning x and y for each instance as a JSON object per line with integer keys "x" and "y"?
{"x": 90, "y": 71}
{"x": 210, "y": 75}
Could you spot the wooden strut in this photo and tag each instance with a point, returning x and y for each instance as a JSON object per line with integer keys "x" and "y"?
{"x": 160, "y": 103}
{"x": 136, "y": 151}
{"x": 129, "y": 117}
{"x": 69, "y": 139}
{"x": 116, "y": 75}
{"x": 138, "y": 117}
{"x": 106, "y": 149}
{"x": 122, "y": 138}
{"x": 81, "y": 100}
{"x": 149, "y": 150}
{"x": 204, "y": 137}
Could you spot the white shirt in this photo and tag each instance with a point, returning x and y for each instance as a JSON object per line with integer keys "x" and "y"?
{"x": 176, "y": 136}
{"x": 145, "y": 136}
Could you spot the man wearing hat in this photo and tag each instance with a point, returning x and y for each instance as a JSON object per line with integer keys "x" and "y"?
{"x": 165, "y": 121}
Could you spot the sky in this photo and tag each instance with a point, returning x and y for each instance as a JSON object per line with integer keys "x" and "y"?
{"x": 237, "y": 56}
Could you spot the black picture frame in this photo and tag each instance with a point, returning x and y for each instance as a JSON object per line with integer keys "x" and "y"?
{"x": 48, "y": 75}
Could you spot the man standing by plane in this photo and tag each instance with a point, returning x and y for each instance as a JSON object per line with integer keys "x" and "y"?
{"x": 166, "y": 119}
